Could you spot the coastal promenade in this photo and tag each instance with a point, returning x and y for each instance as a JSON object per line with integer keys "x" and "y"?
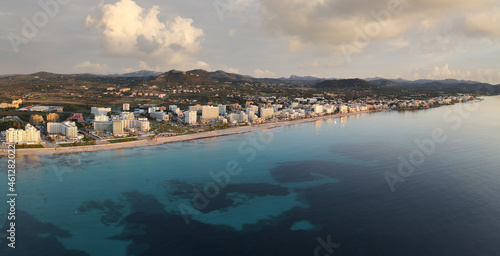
{"x": 165, "y": 140}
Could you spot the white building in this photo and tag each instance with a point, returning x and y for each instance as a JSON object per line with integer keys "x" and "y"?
{"x": 104, "y": 126}
{"x": 126, "y": 107}
{"x": 159, "y": 116}
{"x": 255, "y": 109}
{"x": 127, "y": 115}
{"x": 141, "y": 124}
{"x": 250, "y": 113}
{"x": 30, "y": 135}
{"x": 209, "y": 113}
{"x": 101, "y": 118}
{"x": 196, "y": 108}
{"x": 238, "y": 117}
{"x": 190, "y": 117}
{"x": 99, "y": 111}
{"x": 266, "y": 113}
{"x": 66, "y": 128}
{"x": 222, "y": 109}
{"x": 118, "y": 127}
{"x": 344, "y": 109}
{"x": 318, "y": 109}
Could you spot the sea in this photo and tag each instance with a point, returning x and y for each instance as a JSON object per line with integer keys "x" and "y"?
{"x": 397, "y": 183}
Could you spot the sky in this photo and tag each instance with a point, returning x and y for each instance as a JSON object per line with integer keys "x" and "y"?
{"x": 409, "y": 39}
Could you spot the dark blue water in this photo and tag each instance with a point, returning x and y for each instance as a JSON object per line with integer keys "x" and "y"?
{"x": 388, "y": 183}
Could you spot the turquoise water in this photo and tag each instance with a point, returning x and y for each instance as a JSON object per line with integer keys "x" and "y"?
{"x": 290, "y": 186}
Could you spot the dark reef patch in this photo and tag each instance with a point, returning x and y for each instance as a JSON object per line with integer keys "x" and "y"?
{"x": 111, "y": 212}
{"x": 36, "y": 238}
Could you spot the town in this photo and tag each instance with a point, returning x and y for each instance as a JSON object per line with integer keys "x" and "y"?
{"x": 108, "y": 125}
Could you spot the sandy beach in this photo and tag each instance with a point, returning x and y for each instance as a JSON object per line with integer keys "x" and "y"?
{"x": 165, "y": 140}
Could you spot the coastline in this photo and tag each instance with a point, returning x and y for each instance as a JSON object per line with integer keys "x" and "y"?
{"x": 173, "y": 139}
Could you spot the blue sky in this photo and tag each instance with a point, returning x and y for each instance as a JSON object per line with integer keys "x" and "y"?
{"x": 411, "y": 39}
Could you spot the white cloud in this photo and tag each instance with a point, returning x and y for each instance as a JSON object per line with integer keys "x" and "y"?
{"x": 263, "y": 73}
{"x": 483, "y": 23}
{"x": 315, "y": 64}
{"x": 128, "y": 30}
{"x": 90, "y": 67}
{"x": 326, "y": 25}
{"x": 481, "y": 75}
{"x": 127, "y": 70}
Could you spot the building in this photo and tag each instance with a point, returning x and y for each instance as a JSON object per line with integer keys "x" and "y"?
{"x": 118, "y": 127}
{"x": 99, "y": 111}
{"x": 52, "y": 117}
{"x": 77, "y": 117}
{"x": 121, "y": 123}
{"x": 14, "y": 104}
{"x": 36, "y": 120}
{"x": 209, "y": 113}
{"x": 101, "y": 118}
{"x": 159, "y": 116}
{"x": 222, "y": 109}
{"x": 127, "y": 115}
{"x": 66, "y": 128}
{"x": 103, "y": 126}
{"x": 196, "y": 108}
{"x": 255, "y": 109}
{"x": 318, "y": 109}
{"x": 126, "y": 107}
{"x": 30, "y": 135}
{"x": 141, "y": 124}
{"x": 190, "y": 117}
{"x": 266, "y": 113}
{"x": 238, "y": 117}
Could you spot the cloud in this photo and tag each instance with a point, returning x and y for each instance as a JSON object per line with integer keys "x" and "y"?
{"x": 482, "y": 23}
{"x": 127, "y": 70}
{"x": 322, "y": 64}
{"x": 263, "y": 73}
{"x": 128, "y": 30}
{"x": 90, "y": 67}
{"x": 325, "y": 26}
{"x": 481, "y": 75}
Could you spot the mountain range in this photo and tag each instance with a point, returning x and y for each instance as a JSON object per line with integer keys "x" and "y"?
{"x": 203, "y": 77}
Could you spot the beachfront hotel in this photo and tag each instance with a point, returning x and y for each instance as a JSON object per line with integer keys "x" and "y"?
{"x": 118, "y": 124}
{"x": 66, "y": 128}
{"x": 266, "y": 113}
{"x": 209, "y": 113}
{"x": 190, "y": 117}
{"x": 30, "y": 135}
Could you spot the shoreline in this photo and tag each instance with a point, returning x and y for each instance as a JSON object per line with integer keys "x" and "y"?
{"x": 173, "y": 139}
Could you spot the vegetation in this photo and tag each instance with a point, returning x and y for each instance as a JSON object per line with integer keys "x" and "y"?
{"x": 122, "y": 140}
{"x": 29, "y": 146}
{"x": 12, "y": 124}
{"x": 77, "y": 144}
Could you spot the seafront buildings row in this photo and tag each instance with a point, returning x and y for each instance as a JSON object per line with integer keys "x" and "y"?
{"x": 137, "y": 121}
